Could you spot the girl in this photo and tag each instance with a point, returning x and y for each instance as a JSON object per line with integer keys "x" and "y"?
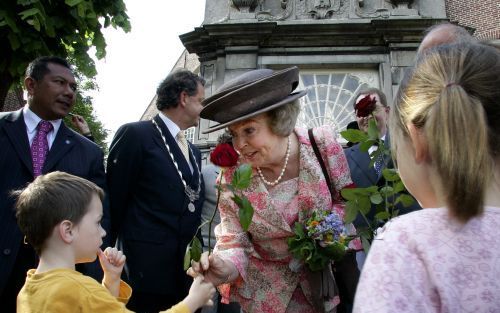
{"x": 446, "y": 134}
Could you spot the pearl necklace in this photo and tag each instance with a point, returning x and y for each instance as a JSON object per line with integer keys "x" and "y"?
{"x": 274, "y": 183}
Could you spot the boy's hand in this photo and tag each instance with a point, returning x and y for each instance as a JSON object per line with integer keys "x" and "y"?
{"x": 200, "y": 294}
{"x": 112, "y": 261}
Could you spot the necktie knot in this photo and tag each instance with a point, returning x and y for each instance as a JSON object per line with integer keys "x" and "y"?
{"x": 45, "y": 127}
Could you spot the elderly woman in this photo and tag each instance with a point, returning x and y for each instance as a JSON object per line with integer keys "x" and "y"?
{"x": 287, "y": 185}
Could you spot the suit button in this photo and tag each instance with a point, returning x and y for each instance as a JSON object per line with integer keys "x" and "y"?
{"x": 6, "y": 251}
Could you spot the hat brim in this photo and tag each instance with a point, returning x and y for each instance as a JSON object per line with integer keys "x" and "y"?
{"x": 243, "y": 98}
{"x": 292, "y": 97}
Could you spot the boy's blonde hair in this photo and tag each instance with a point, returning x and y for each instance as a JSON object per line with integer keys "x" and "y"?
{"x": 453, "y": 95}
{"x": 49, "y": 200}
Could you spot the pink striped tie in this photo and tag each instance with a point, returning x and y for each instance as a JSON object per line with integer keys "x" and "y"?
{"x": 40, "y": 146}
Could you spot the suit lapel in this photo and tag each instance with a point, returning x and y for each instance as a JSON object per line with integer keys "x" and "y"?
{"x": 63, "y": 143}
{"x": 15, "y": 128}
{"x": 174, "y": 149}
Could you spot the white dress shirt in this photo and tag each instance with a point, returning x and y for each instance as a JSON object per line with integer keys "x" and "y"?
{"x": 31, "y": 120}
{"x": 174, "y": 130}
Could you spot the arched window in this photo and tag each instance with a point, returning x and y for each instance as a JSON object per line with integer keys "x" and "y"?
{"x": 330, "y": 96}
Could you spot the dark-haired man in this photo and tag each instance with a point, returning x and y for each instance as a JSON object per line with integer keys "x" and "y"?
{"x": 34, "y": 140}
{"x": 156, "y": 193}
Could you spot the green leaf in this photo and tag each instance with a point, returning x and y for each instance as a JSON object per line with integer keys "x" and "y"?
{"x": 187, "y": 258}
{"x": 81, "y": 8}
{"x": 405, "y": 199}
{"x": 390, "y": 174}
{"x": 370, "y": 190}
{"x": 27, "y": 13}
{"x": 299, "y": 230}
{"x": 376, "y": 198}
{"x": 11, "y": 23}
{"x": 354, "y": 135}
{"x": 365, "y": 145}
{"x": 72, "y": 3}
{"x": 383, "y": 216}
{"x": 364, "y": 204}
{"x": 242, "y": 177}
{"x": 373, "y": 132}
{"x": 387, "y": 191}
{"x": 35, "y": 23}
{"x": 399, "y": 186}
{"x": 349, "y": 193}
{"x": 196, "y": 249}
{"x": 245, "y": 211}
{"x": 351, "y": 211}
{"x": 100, "y": 45}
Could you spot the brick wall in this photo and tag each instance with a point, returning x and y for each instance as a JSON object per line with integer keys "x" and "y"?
{"x": 14, "y": 100}
{"x": 482, "y": 15}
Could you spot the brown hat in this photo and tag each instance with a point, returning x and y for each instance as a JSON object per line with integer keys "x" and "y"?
{"x": 251, "y": 94}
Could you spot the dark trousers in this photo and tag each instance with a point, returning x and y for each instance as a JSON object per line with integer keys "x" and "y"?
{"x": 26, "y": 259}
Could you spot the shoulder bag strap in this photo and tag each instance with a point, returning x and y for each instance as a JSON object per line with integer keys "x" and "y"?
{"x": 321, "y": 162}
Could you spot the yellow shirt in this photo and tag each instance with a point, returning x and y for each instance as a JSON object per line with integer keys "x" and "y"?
{"x": 65, "y": 290}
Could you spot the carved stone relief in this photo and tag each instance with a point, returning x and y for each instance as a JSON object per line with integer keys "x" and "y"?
{"x": 370, "y": 9}
{"x": 265, "y": 13}
{"x": 320, "y": 9}
{"x": 403, "y": 8}
{"x": 383, "y": 8}
{"x": 244, "y": 6}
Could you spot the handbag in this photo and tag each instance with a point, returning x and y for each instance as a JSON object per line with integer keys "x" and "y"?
{"x": 345, "y": 271}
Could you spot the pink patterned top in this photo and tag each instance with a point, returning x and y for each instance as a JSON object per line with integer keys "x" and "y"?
{"x": 426, "y": 262}
{"x": 266, "y": 283}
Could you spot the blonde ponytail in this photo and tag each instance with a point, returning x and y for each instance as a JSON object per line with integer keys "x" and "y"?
{"x": 453, "y": 95}
{"x": 459, "y": 148}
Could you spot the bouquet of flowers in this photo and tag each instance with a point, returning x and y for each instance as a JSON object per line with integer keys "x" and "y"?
{"x": 319, "y": 240}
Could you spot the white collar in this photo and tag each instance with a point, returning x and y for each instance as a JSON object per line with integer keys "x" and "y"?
{"x": 31, "y": 120}
{"x": 172, "y": 127}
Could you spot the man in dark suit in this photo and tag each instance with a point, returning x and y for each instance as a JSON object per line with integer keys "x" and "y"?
{"x": 29, "y": 149}
{"x": 156, "y": 193}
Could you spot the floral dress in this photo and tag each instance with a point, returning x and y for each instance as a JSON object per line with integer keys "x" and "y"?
{"x": 266, "y": 282}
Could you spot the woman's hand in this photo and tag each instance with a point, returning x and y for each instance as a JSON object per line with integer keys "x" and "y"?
{"x": 215, "y": 270}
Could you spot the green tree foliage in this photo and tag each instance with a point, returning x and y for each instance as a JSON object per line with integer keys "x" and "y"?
{"x": 83, "y": 106}
{"x": 66, "y": 28}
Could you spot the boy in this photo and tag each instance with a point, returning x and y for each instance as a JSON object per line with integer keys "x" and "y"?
{"x": 60, "y": 216}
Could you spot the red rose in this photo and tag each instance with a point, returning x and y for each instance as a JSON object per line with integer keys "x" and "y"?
{"x": 365, "y": 106}
{"x": 224, "y": 155}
